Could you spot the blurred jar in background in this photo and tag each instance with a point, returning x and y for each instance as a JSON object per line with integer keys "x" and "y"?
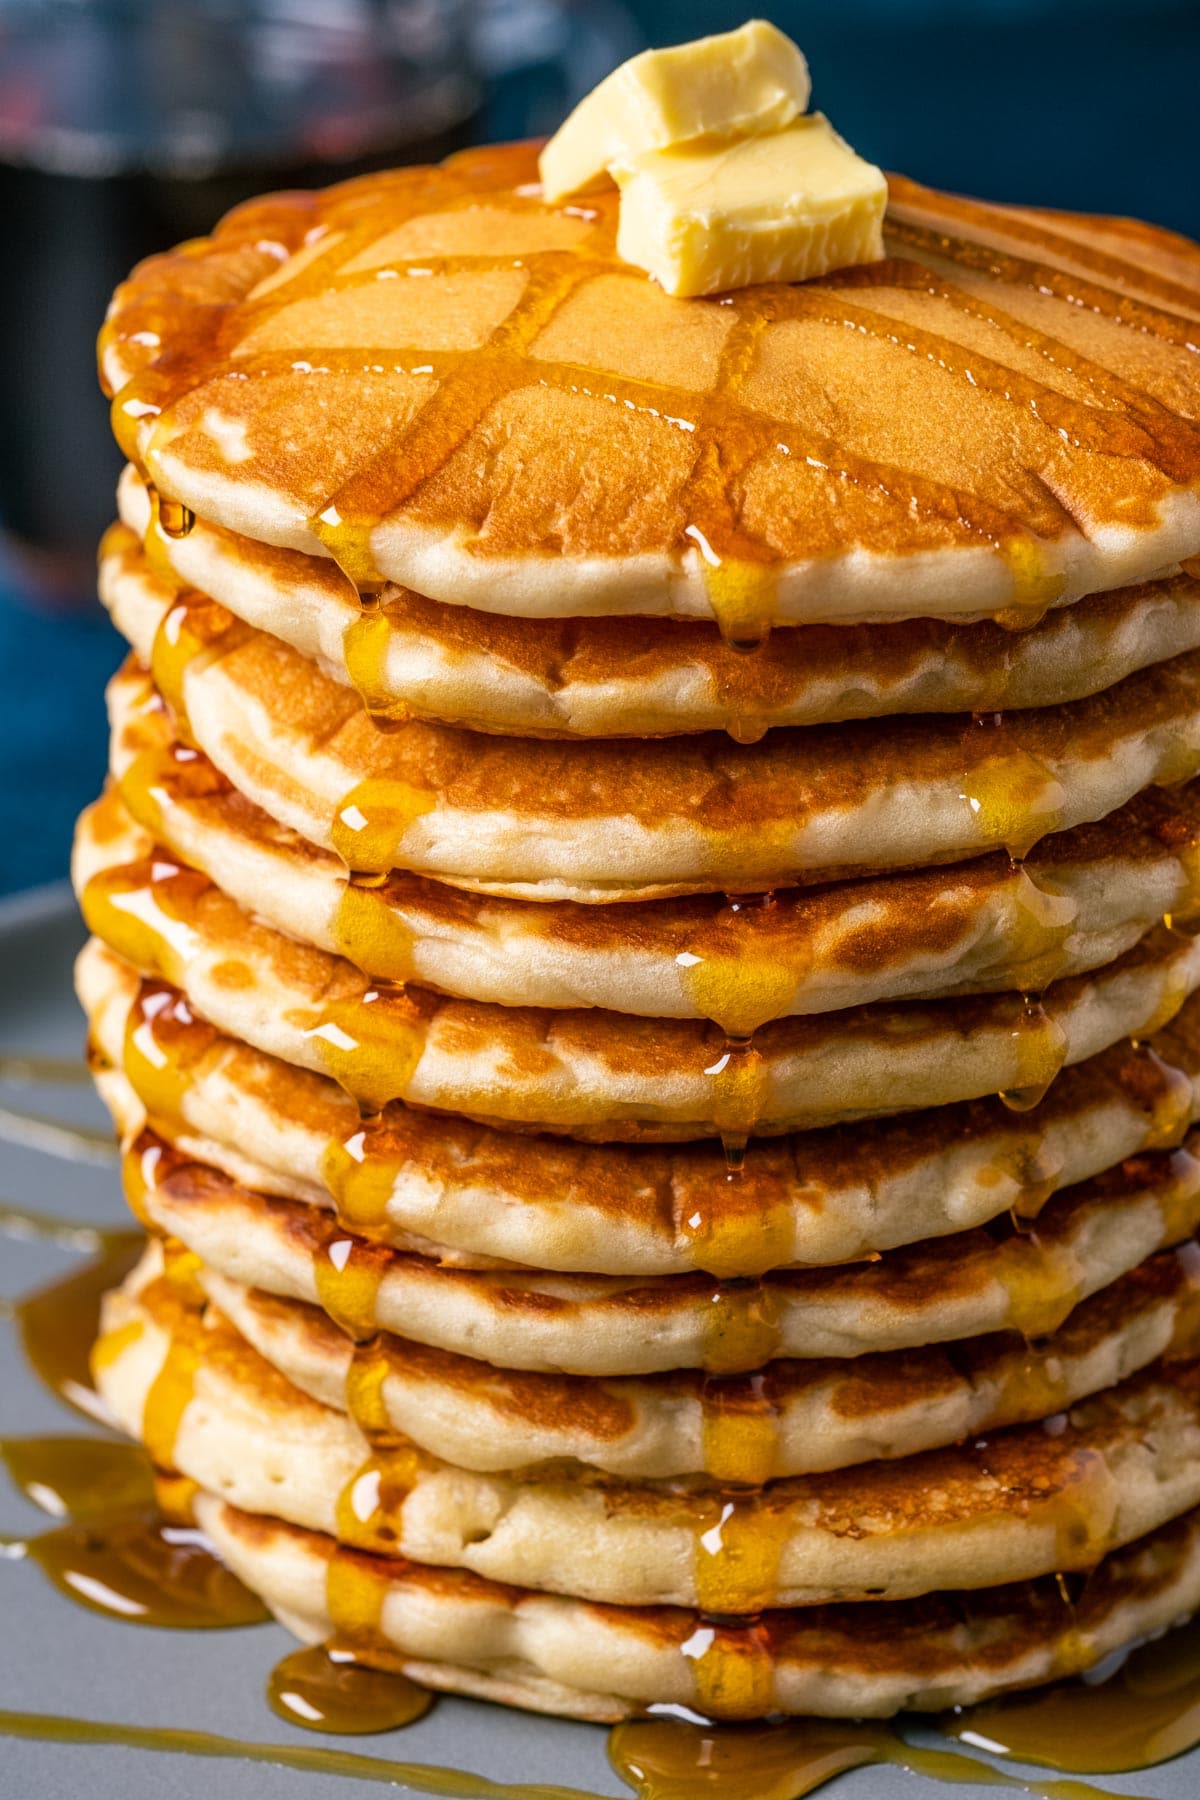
{"x": 126, "y": 125}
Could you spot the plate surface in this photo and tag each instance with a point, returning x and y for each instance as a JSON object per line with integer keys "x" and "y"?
{"x": 58, "y": 1659}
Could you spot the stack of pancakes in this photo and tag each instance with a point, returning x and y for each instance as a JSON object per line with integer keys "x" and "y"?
{"x": 641, "y": 949}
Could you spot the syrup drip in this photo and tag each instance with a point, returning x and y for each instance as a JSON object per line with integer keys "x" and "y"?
{"x": 738, "y": 1545}
{"x": 739, "y": 1428}
{"x": 369, "y": 931}
{"x": 348, "y": 1275}
{"x": 142, "y": 910}
{"x": 360, "y": 1175}
{"x": 175, "y": 519}
{"x": 326, "y": 1688}
{"x": 739, "y": 1077}
{"x": 365, "y": 645}
{"x": 169, "y": 1395}
{"x": 742, "y": 1327}
{"x": 1040, "y": 931}
{"x": 675, "y": 1759}
{"x": 163, "y": 1038}
{"x": 368, "y": 1514}
{"x": 193, "y": 632}
{"x": 1035, "y": 1172}
{"x": 157, "y": 777}
{"x": 1040, "y": 1047}
{"x": 1166, "y": 1095}
{"x": 1013, "y": 798}
{"x": 744, "y": 983}
{"x": 1175, "y": 990}
{"x": 370, "y": 1043}
{"x": 1184, "y": 916}
{"x": 370, "y": 824}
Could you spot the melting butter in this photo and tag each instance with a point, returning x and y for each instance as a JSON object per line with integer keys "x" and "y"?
{"x": 788, "y": 206}
{"x": 748, "y": 80}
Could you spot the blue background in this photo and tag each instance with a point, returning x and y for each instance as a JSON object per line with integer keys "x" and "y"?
{"x": 1077, "y": 103}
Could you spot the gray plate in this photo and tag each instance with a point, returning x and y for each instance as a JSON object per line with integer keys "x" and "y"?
{"x": 58, "y": 1659}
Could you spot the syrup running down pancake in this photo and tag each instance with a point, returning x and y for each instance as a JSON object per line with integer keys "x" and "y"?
{"x": 439, "y": 380}
{"x": 644, "y": 952}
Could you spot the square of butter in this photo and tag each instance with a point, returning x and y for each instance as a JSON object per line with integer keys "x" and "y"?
{"x": 738, "y": 82}
{"x": 788, "y": 206}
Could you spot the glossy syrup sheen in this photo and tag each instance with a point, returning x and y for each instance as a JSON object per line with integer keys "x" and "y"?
{"x": 122, "y": 1558}
{"x": 726, "y": 436}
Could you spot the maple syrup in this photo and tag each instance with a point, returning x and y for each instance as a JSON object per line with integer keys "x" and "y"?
{"x": 739, "y": 1541}
{"x": 1013, "y": 798}
{"x": 58, "y": 1323}
{"x": 304, "y": 1758}
{"x": 745, "y": 983}
{"x": 368, "y": 1517}
{"x": 143, "y": 911}
{"x": 739, "y": 1428}
{"x": 740, "y": 1078}
{"x": 1040, "y": 1048}
{"x": 360, "y": 1173}
{"x": 163, "y": 1038}
{"x": 678, "y": 1759}
{"x": 1146, "y": 1711}
{"x": 174, "y": 518}
{"x": 366, "y": 642}
{"x": 142, "y": 1569}
{"x": 371, "y": 822}
{"x": 348, "y": 1274}
{"x": 369, "y": 931}
{"x": 193, "y": 632}
{"x": 327, "y": 1688}
{"x": 370, "y": 1043}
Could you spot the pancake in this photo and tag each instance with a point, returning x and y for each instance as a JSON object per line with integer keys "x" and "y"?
{"x": 794, "y": 1418}
{"x": 600, "y": 821}
{"x": 596, "y": 1074}
{"x": 532, "y": 427}
{"x": 1079, "y": 900}
{"x": 412, "y": 657}
{"x": 453, "y": 1630}
{"x": 1024, "y": 1502}
{"x": 472, "y": 1194}
{"x": 1010, "y": 1278}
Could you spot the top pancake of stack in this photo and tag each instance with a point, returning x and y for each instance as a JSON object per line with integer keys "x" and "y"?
{"x": 441, "y": 382}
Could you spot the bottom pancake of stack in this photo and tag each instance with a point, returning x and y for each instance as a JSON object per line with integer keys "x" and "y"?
{"x": 571, "y": 1592}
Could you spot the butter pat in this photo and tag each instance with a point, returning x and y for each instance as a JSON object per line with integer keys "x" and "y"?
{"x": 783, "y": 207}
{"x": 750, "y": 80}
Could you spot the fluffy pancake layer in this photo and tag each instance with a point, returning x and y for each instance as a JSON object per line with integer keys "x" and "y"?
{"x": 793, "y": 1418}
{"x": 1079, "y": 900}
{"x": 595, "y": 1074}
{"x": 416, "y": 1181}
{"x": 439, "y": 380}
{"x": 407, "y": 656}
{"x": 1026, "y": 1502}
{"x": 1017, "y": 1277}
{"x": 598, "y": 821}
{"x": 456, "y": 1631}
